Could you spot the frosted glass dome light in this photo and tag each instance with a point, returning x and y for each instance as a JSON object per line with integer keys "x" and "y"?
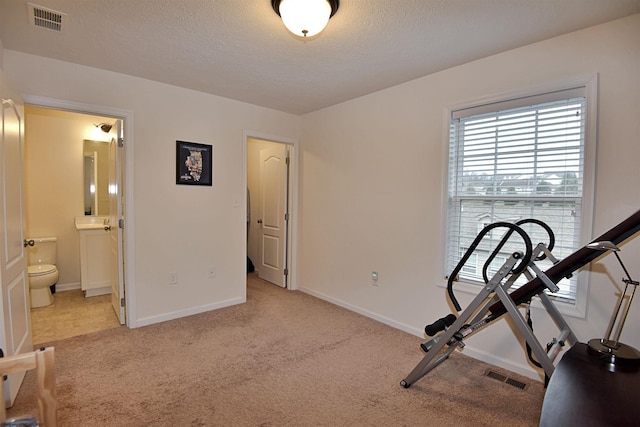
{"x": 305, "y": 18}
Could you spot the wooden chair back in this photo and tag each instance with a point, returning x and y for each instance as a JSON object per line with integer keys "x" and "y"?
{"x": 43, "y": 361}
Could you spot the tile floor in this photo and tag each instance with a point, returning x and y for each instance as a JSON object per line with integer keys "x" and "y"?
{"x": 70, "y": 315}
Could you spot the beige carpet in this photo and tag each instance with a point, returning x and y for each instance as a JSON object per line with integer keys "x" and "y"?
{"x": 282, "y": 359}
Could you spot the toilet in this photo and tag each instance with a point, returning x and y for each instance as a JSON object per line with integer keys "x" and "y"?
{"x": 42, "y": 270}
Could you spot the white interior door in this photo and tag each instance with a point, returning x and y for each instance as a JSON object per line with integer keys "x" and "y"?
{"x": 115, "y": 217}
{"x": 273, "y": 220}
{"x": 15, "y": 307}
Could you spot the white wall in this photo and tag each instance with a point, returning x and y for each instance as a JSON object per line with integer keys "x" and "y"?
{"x": 177, "y": 228}
{"x": 373, "y": 172}
{"x": 371, "y": 177}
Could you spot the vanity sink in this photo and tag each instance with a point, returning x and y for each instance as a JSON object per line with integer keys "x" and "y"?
{"x": 89, "y": 226}
{"x": 95, "y": 252}
{"x": 90, "y": 222}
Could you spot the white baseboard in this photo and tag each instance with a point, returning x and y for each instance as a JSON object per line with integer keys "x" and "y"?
{"x": 406, "y": 328}
{"x": 469, "y": 350}
{"x": 62, "y": 287}
{"x": 524, "y": 370}
{"x": 145, "y": 321}
{"x": 97, "y": 291}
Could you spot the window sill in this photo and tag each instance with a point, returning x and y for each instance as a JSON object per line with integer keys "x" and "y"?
{"x": 565, "y": 308}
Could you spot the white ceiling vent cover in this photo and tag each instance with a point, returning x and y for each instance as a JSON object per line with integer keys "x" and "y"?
{"x": 45, "y": 18}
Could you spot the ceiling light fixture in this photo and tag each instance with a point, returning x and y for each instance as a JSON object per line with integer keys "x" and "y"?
{"x": 305, "y": 18}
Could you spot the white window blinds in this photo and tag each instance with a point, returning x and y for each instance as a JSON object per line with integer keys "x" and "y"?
{"x": 513, "y": 160}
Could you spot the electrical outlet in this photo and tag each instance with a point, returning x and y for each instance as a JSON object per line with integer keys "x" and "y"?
{"x": 211, "y": 272}
{"x": 173, "y": 278}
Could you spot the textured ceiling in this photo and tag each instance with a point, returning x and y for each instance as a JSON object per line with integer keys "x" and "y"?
{"x": 239, "y": 49}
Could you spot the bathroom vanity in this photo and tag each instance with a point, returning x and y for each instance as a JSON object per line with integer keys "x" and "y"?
{"x": 95, "y": 255}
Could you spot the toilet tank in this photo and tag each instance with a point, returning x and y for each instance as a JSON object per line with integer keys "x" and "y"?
{"x": 43, "y": 251}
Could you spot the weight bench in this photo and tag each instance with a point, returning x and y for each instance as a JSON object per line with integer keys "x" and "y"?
{"x": 495, "y": 300}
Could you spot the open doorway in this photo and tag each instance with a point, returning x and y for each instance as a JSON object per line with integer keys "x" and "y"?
{"x": 59, "y": 147}
{"x": 271, "y": 208}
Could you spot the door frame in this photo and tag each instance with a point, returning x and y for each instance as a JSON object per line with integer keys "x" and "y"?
{"x": 129, "y": 242}
{"x": 292, "y": 235}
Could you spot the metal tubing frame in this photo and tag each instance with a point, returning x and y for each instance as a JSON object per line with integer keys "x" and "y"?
{"x": 447, "y": 337}
{"x": 487, "y": 296}
{"x": 535, "y": 287}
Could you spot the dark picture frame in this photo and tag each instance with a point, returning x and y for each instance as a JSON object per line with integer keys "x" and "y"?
{"x": 194, "y": 163}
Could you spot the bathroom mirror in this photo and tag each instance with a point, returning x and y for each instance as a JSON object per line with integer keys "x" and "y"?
{"x": 96, "y": 177}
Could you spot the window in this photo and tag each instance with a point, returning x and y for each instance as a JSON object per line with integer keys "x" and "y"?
{"x": 513, "y": 160}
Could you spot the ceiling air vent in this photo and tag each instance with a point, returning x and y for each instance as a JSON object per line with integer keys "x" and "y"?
{"x": 45, "y": 18}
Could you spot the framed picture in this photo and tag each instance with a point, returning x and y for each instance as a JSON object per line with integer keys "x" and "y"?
{"x": 194, "y": 163}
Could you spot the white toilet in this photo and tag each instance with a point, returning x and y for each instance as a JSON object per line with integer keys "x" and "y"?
{"x": 42, "y": 270}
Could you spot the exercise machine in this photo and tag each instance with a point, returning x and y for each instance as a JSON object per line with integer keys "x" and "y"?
{"x": 496, "y": 300}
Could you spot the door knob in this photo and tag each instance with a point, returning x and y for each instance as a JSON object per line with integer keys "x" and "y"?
{"x": 260, "y": 221}
{"x": 29, "y": 243}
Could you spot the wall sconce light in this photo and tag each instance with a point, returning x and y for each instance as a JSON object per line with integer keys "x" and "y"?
{"x": 613, "y": 349}
{"x": 305, "y": 18}
{"x": 104, "y": 127}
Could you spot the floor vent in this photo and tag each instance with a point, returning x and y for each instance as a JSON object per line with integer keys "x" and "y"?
{"x": 502, "y": 378}
{"x": 45, "y": 18}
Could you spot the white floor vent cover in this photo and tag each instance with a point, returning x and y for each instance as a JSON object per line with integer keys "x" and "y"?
{"x": 496, "y": 376}
{"x": 45, "y": 18}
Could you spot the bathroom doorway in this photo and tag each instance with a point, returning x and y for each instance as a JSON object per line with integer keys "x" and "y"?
{"x": 59, "y": 144}
{"x": 271, "y": 177}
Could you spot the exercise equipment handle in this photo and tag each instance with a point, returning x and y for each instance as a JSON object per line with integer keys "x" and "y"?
{"x": 440, "y": 325}
{"x": 506, "y": 237}
{"x": 520, "y": 267}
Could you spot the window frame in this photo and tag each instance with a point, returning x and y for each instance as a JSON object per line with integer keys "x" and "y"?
{"x": 590, "y": 84}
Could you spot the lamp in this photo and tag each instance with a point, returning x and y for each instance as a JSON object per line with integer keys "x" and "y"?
{"x": 305, "y": 18}
{"x": 613, "y": 349}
